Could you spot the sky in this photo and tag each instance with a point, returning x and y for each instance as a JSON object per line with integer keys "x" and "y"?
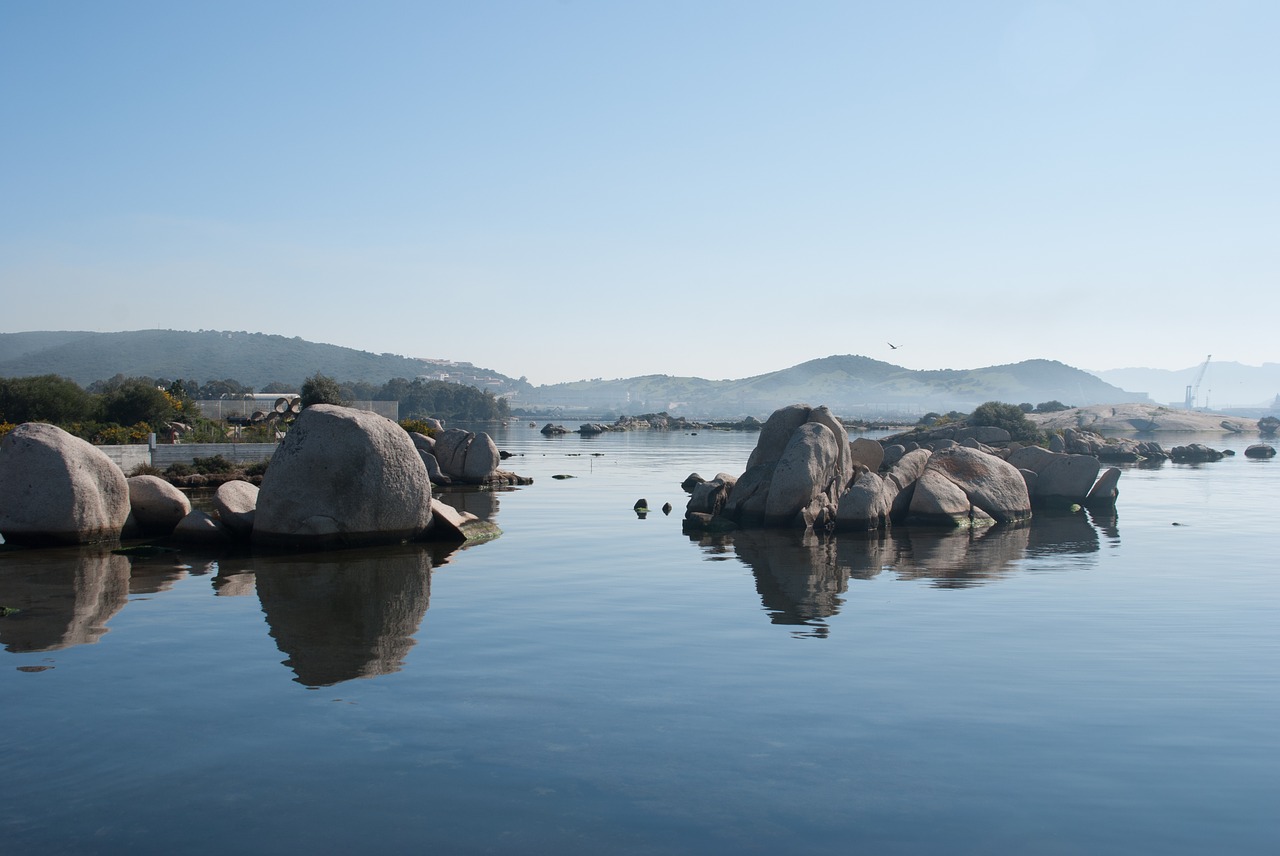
{"x": 562, "y": 189}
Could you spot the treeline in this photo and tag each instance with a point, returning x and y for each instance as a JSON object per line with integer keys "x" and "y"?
{"x": 127, "y": 409}
{"x": 121, "y": 410}
{"x": 419, "y": 399}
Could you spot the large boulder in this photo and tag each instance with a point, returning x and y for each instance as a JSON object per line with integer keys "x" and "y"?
{"x": 869, "y": 453}
{"x": 1061, "y": 479}
{"x": 56, "y": 488}
{"x": 867, "y": 503}
{"x": 1260, "y": 450}
{"x": 237, "y": 503}
{"x": 466, "y": 456}
{"x": 805, "y": 475}
{"x": 157, "y": 506}
{"x": 965, "y": 487}
{"x": 710, "y": 497}
{"x": 343, "y": 477}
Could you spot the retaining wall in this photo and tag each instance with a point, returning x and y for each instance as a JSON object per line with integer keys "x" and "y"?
{"x": 129, "y": 457}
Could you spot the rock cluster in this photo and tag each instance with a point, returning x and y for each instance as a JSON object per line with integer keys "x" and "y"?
{"x": 805, "y": 473}
{"x": 341, "y": 477}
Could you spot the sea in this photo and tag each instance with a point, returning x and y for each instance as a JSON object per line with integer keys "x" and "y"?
{"x": 597, "y": 681}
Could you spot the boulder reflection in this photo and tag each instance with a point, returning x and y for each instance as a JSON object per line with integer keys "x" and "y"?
{"x": 346, "y": 614}
{"x": 62, "y": 597}
{"x": 802, "y": 577}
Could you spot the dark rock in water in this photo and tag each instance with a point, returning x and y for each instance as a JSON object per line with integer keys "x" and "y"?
{"x": 563, "y": 476}
{"x": 549, "y": 430}
{"x": 666, "y": 508}
{"x": 1195, "y": 453}
{"x": 690, "y": 482}
{"x": 1268, "y": 425}
{"x": 641, "y": 504}
{"x": 1105, "y": 491}
{"x": 1260, "y": 450}
{"x": 591, "y": 429}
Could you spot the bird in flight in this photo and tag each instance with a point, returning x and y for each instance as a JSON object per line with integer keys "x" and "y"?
{"x": 892, "y": 345}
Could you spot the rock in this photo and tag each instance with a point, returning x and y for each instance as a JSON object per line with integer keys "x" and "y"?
{"x": 869, "y": 453}
{"x": 591, "y": 429}
{"x": 1260, "y": 450}
{"x": 641, "y": 505}
{"x": 1268, "y": 425}
{"x": 892, "y": 453}
{"x": 966, "y": 487}
{"x": 550, "y": 430}
{"x": 56, "y": 488}
{"x": 1195, "y": 453}
{"x": 236, "y": 503}
{"x": 690, "y": 482}
{"x": 343, "y": 477}
{"x": 903, "y": 476}
{"x": 200, "y": 528}
{"x": 1105, "y": 491}
{"x": 710, "y": 497}
{"x": 866, "y": 504}
{"x": 433, "y": 469}
{"x": 422, "y": 442}
{"x": 466, "y": 456}
{"x": 1061, "y": 479}
{"x": 804, "y": 475}
{"x": 776, "y": 433}
{"x": 666, "y": 508}
{"x": 454, "y": 526}
{"x": 155, "y": 505}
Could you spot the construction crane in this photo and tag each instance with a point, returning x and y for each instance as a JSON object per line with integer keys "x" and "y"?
{"x": 1193, "y": 389}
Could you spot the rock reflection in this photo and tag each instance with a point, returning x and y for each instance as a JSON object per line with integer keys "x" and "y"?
{"x": 346, "y": 614}
{"x": 483, "y": 503}
{"x": 802, "y": 578}
{"x": 62, "y": 597}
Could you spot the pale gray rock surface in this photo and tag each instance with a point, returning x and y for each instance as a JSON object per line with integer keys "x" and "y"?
{"x": 56, "y": 488}
{"x": 343, "y": 477}
{"x": 157, "y": 506}
{"x": 804, "y": 474}
{"x": 467, "y": 456}
{"x": 236, "y": 503}
{"x": 993, "y": 490}
{"x": 869, "y": 453}
{"x": 866, "y": 504}
{"x": 199, "y": 527}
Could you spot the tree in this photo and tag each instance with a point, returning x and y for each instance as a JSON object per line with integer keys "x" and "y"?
{"x": 1007, "y": 416}
{"x": 1051, "y": 406}
{"x": 136, "y": 400}
{"x": 321, "y": 389}
{"x": 47, "y": 398}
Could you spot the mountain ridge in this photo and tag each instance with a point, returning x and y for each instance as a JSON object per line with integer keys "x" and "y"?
{"x": 850, "y": 384}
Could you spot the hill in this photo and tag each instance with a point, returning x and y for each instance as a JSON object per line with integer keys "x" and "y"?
{"x": 254, "y": 359}
{"x": 849, "y": 385}
{"x": 852, "y": 386}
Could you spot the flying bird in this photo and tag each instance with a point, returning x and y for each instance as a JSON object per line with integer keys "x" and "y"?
{"x": 892, "y": 345}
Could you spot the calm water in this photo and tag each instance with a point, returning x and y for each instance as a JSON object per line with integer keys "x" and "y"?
{"x": 592, "y": 682}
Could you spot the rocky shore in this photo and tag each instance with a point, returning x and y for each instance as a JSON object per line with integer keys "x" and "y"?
{"x": 341, "y": 477}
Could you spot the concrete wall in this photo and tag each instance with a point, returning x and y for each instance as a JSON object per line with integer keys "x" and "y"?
{"x": 129, "y": 457}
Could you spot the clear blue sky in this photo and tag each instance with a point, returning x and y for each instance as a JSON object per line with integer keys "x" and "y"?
{"x": 603, "y": 189}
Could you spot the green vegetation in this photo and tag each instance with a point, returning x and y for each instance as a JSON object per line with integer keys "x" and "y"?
{"x": 1009, "y": 417}
{"x": 321, "y": 389}
{"x": 417, "y": 426}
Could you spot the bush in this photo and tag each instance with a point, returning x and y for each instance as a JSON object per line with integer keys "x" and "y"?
{"x": 320, "y": 389}
{"x": 146, "y": 470}
{"x": 257, "y": 468}
{"x": 417, "y": 426}
{"x": 178, "y": 470}
{"x": 1054, "y": 406}
{"x": 1009, "y": 417}
{"x": 215, "y": 464}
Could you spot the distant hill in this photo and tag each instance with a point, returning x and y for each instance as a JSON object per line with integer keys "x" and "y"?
{"x": 852, "y": 386}
{"x": 849, "y": 385}
{"x": 254, "y": 359}
{"x": 1225, "y": 384}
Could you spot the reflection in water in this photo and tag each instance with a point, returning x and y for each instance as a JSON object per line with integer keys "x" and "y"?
{"x": 802, "y": 577}
{"x": 63, "y": 597}
{"x": 482, "y": 502}
{"x": 346, "y": 614}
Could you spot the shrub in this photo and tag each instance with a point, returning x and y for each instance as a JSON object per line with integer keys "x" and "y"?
{"x": 179, "y": 470}
{"x": 215, "y": 464}
{"x": 257, "y": 468}
{"x": 1009, "y": 417}
{"x": 417, "y": 426}
{"x": 146, "y": 470}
